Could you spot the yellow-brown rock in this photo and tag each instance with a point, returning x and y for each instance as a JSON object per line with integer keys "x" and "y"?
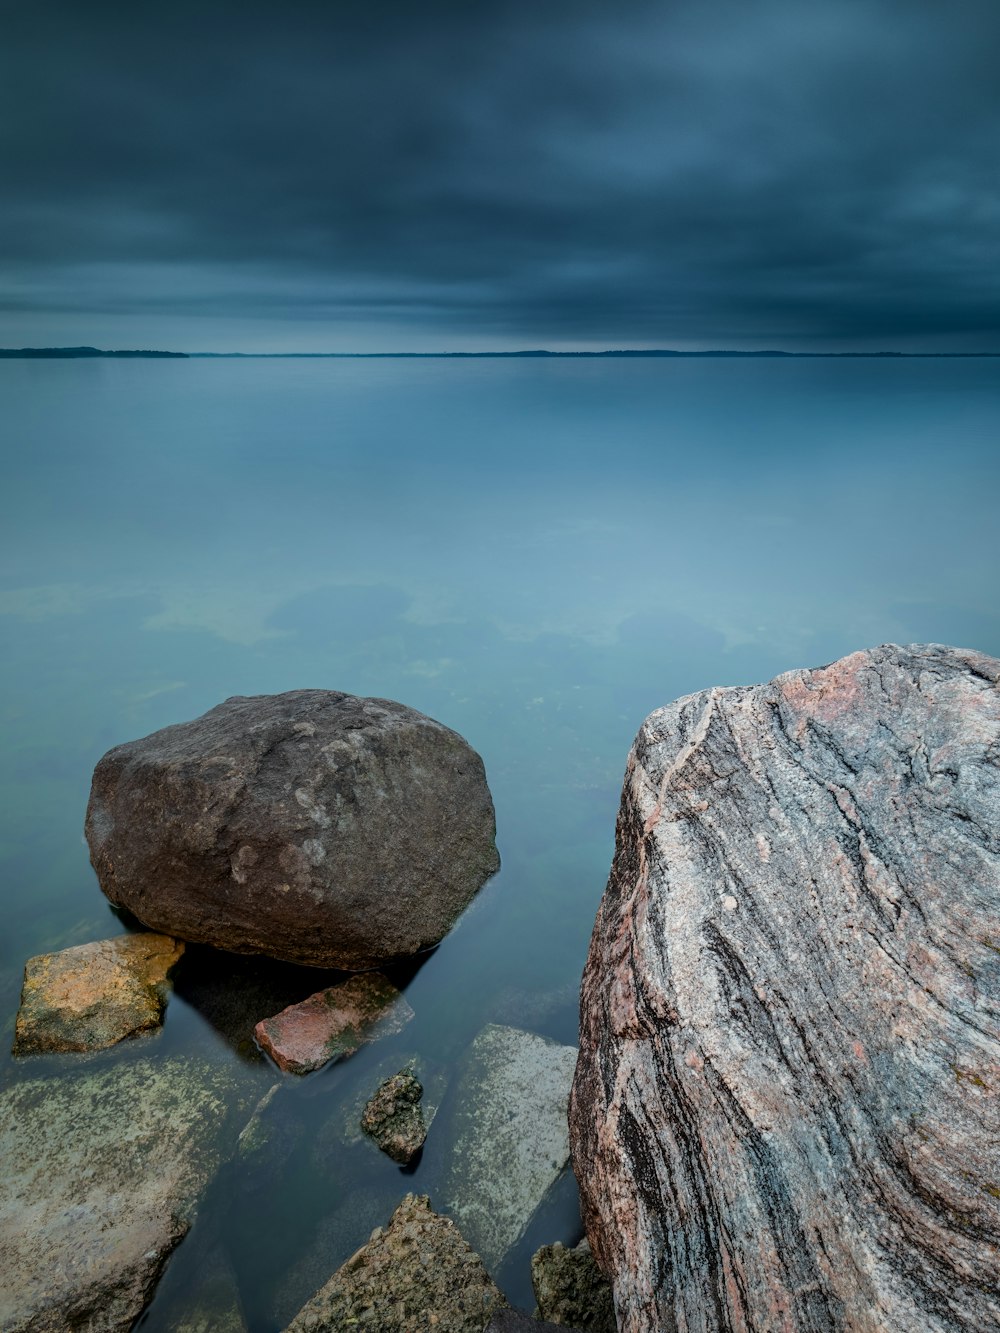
{"x": 94, "y": 995}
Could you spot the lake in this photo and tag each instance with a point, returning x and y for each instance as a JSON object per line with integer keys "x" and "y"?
{"x": 534, "y": 552}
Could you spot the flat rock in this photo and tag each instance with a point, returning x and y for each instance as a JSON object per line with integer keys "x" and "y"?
{"x": 102, "y": 1172}
{"x": 571, "y": 1289}
{"x": 392, "y": 1117}
{"x": 313, "y": 826}
{"x": 786, "y": 1113}
{"x": 333, "y": 1023}
{"x": 511, "y": 1140}
{"x": 94, "y": 995}
{"x": 418, "y": 1273}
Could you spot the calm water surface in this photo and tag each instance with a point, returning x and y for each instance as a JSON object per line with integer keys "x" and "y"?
{"x": 536, "y": 554}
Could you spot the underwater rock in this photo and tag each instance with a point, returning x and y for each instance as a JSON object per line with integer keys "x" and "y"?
{"x": 510, "y": 1136}
{"x": 362, "y": 1208}
{"x": 312, "y": 826}
{"x": 205, "y": 1300}
{"x": 786, "y": 1111}
{"x": 268, "y": 1139}
{"x": 94, "y": 995}
{"x": 392, "y": 1117}
{"x": 516, "y": 1321}
{"x": 102, "y": 1173}
{"x": 416, "y": 1273}
{"x": 333, "y": 1023}
{"x": 344, "y": 1126}
{"x": 571, "y": 1289}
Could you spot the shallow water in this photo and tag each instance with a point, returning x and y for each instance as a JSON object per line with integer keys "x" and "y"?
{"x": 536, "y": 553}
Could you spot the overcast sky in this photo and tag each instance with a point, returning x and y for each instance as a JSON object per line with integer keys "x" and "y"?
{"x": 380, "y": 176}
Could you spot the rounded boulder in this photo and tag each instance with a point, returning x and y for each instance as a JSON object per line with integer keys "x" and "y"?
{"x": 313, "y": 826}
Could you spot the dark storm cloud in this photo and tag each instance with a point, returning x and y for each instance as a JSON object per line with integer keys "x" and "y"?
{"x": 720, "y": 172}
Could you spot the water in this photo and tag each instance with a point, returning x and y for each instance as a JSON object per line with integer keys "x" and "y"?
{"x": 535, "y": 553}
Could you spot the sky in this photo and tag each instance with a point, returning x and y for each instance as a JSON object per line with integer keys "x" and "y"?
{"x": 389, "y": 176}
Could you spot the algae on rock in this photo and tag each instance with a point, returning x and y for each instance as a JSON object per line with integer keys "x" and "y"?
{"x": 392, "y": 1117}
{"x": 417, "y": 1273}
{"x": 105, "y": 1167}
{"x": 511, "y": 1138}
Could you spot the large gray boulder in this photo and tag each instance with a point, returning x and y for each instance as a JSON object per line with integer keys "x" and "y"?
{"x": 786, "y": 1112}
{"x": 311, "y": 826}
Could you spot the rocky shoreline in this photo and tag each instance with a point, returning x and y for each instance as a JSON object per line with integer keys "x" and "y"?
{"x": 223, "y": 828}
{"x": 785, "y": 1107}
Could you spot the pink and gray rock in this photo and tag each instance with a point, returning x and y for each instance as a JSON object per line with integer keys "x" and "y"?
{"x": 311, "y": 826}
{"x": 333, "y": 1023}
{"x": 786, "y": 1112}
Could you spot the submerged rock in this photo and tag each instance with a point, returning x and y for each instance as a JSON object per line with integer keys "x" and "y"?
{"x": 102, "y": 1173}
{"x": 311, "y": 826}
{"x": 418, "y": 1273}
{"x": 511, "y": 1141}
{"x": 344, "y": 1126}
{"x": 268, "y": 1139}
{"x": 207, "y": 1300}
{"x": 571, "y": 1289}
{"x": 516, "y": 1321}
{"x": 362, "y": 1209}
{"x": 787, "y": 1106}
{"x": 333, "y": 1023}
{"x": 392, "y": 1117}
{"x": 94, "y": 995}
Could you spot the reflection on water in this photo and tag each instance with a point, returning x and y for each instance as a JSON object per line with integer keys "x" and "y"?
{"x": 536, "y": 554}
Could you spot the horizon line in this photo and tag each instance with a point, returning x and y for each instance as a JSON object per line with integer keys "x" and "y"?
{"x": 82, "y": 352}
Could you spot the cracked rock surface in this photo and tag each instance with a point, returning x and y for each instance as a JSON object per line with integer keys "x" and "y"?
{"x": 312, "y": 826}
{"x": 786, "y": 1112}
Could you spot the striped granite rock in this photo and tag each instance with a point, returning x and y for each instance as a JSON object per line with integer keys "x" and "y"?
{"x": 786, "y": 1112}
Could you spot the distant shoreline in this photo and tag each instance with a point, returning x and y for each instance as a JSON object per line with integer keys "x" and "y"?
{"x": 72, "y": 353}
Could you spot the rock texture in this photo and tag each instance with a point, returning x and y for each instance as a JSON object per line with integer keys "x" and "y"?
{"x": 344, "y": 1125}
{"x": 786, "y": 1113}
{"x": 510, "y": 1136}
{"x": 311, "y": 826}
{"x": 571, "y": 1290}
{"x": 102, "y": 1173}
{"x": 392, "y": 1117}
{"x": 333, "y": 1023}
{"x": 94, "y": 995}
{"x": 416, "y": 1274}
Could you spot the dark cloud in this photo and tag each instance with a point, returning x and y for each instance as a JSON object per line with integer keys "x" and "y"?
{"x": 658, "y": 173}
